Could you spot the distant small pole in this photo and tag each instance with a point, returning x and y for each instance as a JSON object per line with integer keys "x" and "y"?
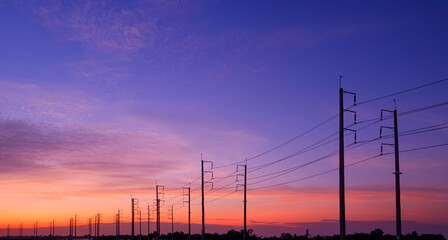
{"x": 21, "y": 230}
{"x": 70, "y": 228}
{"x": 94, "y": 226}
{"x": 149, "y": 221}
{"x": 189, "y": 210}
{"x": 140, "y": 216}
{"x": 76, "y": 219}
{"x": 117, "y": 225}
{"x": 158, "y": 213}
{"x": 8, "y": 230}
{"x": 133, "y": 211}
{"x": 90, "y": 227}
{"x": 99, "y": 222}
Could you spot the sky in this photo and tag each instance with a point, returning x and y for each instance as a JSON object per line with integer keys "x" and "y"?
{"x": 100, "y": 101}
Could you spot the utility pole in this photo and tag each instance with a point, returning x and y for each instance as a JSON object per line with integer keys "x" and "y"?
{"x": 21, "y": 230}
{"x": 170, "y": 217}
{"x": 158, "y": 209}
{"x": 96, "y": 223}
{"x": 36, "y": 229}
{"x": 53, "y": 228}
{"x": 117, "y": 225}
{"x": 203, "y": 184}
{"x": 172, "y": 223}
{"x": 245, "y": 195}
{"x": 341, "y": 158}
{"x": 90, "y": 228}
{"x": 8, "y": 229}
{"x": 202, "y": 189}
{"x": 133, "y": 211}
{"x": 158, "y": 213}
{"x": 76, "y": 219}
{"x": 397, "y": 168}
{"x": 245, "y": 200}
{"x": 189, "y": 210}
{"x": 140, "y": 216}
{"x": 70, "y": 229}
{"x": 98, "y": 226}
{"x": 148, "y": 222}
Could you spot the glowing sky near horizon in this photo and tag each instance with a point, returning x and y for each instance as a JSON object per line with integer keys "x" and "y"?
{"x": 99, "y": 100}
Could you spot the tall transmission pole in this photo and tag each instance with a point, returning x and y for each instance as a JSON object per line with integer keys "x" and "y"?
{"x": 53, "y": 228}
{"x": 245, "y": 201}
{"x": 342, "y": 229}
{"x": 203, "y": 184}
{"x": 245, "y": 195}
{"x": 397, "y": 168}
{"x": 189, "y": 210}
{"x": 202, "y": 189}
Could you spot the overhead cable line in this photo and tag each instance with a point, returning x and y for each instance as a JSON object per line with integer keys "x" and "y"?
{"x": 403, "y": 91}
{"x": 348, "y": 165}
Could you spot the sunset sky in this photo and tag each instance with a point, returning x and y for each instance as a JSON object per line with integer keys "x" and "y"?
{"x": 101, "y": 100}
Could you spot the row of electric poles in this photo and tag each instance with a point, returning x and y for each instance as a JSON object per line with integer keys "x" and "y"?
{"x": 209, "y": 173}
{"x": 397, "y": 172}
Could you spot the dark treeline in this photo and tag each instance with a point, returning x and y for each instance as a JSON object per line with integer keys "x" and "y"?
{"x": 376, "y": 234}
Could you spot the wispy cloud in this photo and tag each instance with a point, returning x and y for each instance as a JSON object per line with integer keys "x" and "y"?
{"x": 42, "y": 101}
{"x": 111, "y": 25}
{"x": 92, "y": 160}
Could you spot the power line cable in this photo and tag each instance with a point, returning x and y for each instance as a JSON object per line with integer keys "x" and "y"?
{"x": 348, "y": 165}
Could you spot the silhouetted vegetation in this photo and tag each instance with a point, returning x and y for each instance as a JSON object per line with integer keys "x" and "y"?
{"x": 376, "y": 234}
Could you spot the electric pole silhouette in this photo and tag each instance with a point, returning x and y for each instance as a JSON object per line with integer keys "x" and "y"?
{"x": 245, "y": 195}
{"x": 189, "y": 210}
{"x": 149, "y": 222}
{"x": 342, "y": 227}
{"x": 397, "y": 168}
{"x": 203, "y": 183}
{"x": 90, "y": 228}
{"x": 132, "y": 224}
{"x": 158, "y": 209}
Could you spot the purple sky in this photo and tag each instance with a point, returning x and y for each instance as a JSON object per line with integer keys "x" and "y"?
{"x": 101, "y": 99}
